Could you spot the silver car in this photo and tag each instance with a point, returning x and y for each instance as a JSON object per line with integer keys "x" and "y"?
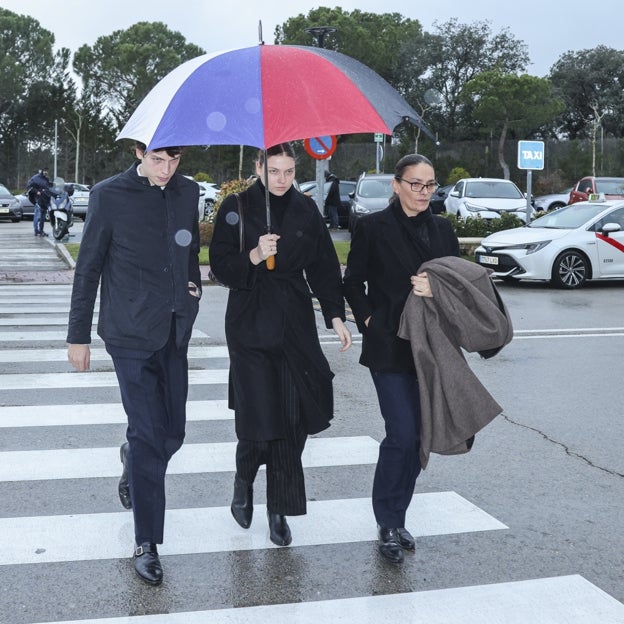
{"x": 372, "y": 193}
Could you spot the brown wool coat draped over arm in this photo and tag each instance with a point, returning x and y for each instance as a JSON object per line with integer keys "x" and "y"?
{"x": 465, "y": 312}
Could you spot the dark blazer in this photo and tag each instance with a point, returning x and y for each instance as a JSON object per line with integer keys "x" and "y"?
{"x": 270, "y": 316}
{"x": 377, "y": 283}
{"x": 142, "y": 242}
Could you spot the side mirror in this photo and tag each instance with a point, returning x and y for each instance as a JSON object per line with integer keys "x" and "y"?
{"x": 609, "y": 228}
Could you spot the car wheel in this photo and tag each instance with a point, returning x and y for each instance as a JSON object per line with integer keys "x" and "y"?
{"x": 570, "y": 270}
{"x": 555, "y": 206}
{"x": 16, "y": 220}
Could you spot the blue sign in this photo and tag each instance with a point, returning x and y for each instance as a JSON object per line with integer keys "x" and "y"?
{"x": 531, "y": 155}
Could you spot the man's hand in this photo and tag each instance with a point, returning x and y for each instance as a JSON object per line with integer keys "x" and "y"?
{"x": 79, "y": 356}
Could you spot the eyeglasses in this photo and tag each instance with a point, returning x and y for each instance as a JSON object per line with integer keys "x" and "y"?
{"x": 417, "y": 187}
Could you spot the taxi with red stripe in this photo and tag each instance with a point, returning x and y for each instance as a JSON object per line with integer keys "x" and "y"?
{"x": 567, "y": 247}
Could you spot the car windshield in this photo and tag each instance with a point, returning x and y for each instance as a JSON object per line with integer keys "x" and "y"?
{"x": 614, "y": 186}
{"x": 569, "y": 217}
{"x": 484, "y": 188}
{"x": 4, "y": 192}
{"x": 375, "y": 188}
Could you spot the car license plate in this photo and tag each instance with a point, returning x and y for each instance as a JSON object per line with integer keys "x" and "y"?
{"x": 4, "y": 211}
{"x": 488, "y": 259}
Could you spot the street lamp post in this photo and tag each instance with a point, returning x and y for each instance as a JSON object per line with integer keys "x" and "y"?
{"x": 319, "y": 32}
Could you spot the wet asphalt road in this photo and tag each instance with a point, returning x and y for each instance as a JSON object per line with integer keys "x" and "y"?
{"x": 550, "y": 468}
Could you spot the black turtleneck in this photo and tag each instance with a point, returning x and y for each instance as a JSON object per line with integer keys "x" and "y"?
{"x": 278, "y": 203}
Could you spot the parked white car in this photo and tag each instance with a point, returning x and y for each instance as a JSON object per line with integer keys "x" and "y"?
{"x": 80, "y": 199}
{"x": 208, "y": 193}
{"x": 567, "y": 247}
{"x": 552, "y": 201}
{"x": 488, "y": 198}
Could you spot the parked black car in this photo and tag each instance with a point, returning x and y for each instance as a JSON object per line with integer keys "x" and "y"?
{"x": 436, "y": 203}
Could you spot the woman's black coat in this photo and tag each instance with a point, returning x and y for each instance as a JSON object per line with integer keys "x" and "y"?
{"x": 270, "y": 317}
{"x": 384, "y": 255}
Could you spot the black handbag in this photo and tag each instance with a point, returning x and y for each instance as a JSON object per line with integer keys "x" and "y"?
{"x": 211, "y": 276}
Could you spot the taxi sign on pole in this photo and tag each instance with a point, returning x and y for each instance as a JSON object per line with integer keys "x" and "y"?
{"x": 531, "y": 155}
{"x": 320, "y": 147}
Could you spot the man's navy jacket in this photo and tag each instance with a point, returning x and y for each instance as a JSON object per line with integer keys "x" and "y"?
{"x": 142, "y": 242}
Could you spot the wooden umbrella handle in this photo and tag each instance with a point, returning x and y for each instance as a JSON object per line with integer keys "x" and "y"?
{"x": 270, "y": 263}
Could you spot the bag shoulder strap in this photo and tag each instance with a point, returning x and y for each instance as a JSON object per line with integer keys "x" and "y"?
{"x": 240, "y": 223}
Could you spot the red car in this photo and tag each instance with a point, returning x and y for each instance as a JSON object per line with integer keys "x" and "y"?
{"x": 613, "y": 188}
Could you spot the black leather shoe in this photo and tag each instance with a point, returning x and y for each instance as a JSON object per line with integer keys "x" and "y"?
{"x": 147, "y": 564}
{"x": 124, "y": 487}
{"x": 279, "y": 529}
{"x": 389, "y": 545}
{"x": 242, "y": 502}
{"x": 405, "y": 539}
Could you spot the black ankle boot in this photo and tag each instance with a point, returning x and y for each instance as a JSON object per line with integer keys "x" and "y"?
{"x": 124, "y": 486}
{"x": 242, "y": 502}
{"x": 278, "y": 529}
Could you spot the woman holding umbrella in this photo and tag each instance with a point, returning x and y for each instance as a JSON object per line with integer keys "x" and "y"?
{"x": 280, "y": 384}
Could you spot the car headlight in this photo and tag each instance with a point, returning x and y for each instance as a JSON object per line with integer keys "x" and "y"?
{"x": 530, "y": 247}
{"x": 361, "y": 209}
{"x": 474, "y": 208}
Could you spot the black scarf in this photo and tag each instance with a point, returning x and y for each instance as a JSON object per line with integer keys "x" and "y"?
{"x": 420, "y": 234}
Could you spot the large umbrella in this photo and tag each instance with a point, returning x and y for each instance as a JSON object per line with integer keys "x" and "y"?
{"x": 264, "y": 95}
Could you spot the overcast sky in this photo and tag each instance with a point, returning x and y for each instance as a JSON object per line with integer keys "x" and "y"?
{"x": 548, "y": 28}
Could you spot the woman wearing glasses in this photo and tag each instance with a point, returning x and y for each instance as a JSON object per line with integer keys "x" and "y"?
{"x": 387, "y": 250}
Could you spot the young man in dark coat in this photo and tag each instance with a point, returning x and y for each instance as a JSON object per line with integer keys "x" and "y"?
{"x": 141, "y": 239}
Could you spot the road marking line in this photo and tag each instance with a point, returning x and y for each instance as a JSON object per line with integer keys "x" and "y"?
{"x": 93, "y": 379}
{"x": 98, "y": 414}
{"x": 44, "y": 539}
{"x": 86, "y": 463}
{"x": 14, "y": 356}
{"x": 60, "y": 336}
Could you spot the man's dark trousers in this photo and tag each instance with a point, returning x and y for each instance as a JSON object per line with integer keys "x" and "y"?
{"x": 154, "y": 389}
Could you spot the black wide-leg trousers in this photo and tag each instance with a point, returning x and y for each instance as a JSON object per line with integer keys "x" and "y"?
{"x": 284, "y": 470}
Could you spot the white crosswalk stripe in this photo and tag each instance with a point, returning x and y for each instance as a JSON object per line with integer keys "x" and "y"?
{"x": 98, "y": 414}
{"x": 57, "y": 540}
{"x": 208, "y": 457}
{"x": 559, "y": 600}
{"x": 47, "y": 539}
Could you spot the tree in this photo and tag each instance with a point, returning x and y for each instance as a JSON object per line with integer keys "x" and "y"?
{"x": 371, "y": 38}
{"x": 504, "y": 102}
{"x": 455, "y": 54}
{"x": 590, "y": 82}
{"x": 121, "y": 68}
{"x": 25, "y": 59}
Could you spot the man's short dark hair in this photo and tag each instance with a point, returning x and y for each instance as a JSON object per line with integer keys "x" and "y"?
{"x": 171, "y": 151}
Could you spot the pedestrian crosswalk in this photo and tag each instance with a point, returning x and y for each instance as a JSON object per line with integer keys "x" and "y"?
{"x": 66, "y": 557}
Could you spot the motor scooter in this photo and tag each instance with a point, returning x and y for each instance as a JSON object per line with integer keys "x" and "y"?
{"x": 61, "y": 208}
